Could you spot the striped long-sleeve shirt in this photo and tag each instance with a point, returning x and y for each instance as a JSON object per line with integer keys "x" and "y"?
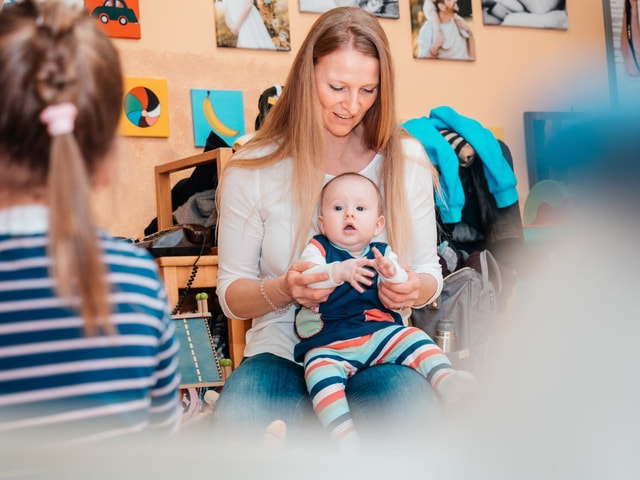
{"x": 56, "y": 381}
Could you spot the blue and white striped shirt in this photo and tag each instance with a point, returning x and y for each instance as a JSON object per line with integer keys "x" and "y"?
{"x": 58, "y": 383}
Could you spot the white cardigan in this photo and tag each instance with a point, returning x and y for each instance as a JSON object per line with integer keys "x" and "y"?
{"x": 256, "y": 235}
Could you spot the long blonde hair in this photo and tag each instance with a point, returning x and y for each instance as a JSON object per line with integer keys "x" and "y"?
{"x": 53, "y": 53}
{"x": 294, "y": 126}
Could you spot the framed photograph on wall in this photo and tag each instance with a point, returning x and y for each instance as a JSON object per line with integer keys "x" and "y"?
{"x": 526, "y": 13}
{"x": 259, "y": 24}
{"x": 380, "y": 8}
{"x": 622, "y": 33}
{"x": 442, "y": 30}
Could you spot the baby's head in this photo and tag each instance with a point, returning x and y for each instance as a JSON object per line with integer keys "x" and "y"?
{"x": 350, "y": 211}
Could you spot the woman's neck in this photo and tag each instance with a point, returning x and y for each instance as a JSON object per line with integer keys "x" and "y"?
{"x": 347, "y": 154}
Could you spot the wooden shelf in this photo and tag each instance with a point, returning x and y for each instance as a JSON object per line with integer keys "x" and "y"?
{"x": 176, "y": 271}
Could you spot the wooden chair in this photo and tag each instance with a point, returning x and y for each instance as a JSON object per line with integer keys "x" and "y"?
{"x": 175, "y": 271}
{"x": 163, "y": 179}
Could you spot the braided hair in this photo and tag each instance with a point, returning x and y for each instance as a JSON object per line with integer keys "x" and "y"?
{"x": 52, "y": 53}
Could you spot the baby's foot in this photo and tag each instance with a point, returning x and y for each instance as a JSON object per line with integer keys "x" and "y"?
{"x": 275, "y": 434}
{"x": 456, "y": 386}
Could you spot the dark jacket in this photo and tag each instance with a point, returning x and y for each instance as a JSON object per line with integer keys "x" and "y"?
{"x": 483, "y": 224}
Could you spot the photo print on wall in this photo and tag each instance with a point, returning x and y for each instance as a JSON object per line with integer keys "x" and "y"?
{"x": 380, "y": 8}
{"x": 118, "y": 18}
{"x": 259, "y": 24}
{"x": 442, "y": 30}
{"x": 526, "y": 13}
{"x": 145, "y": 110}
{"x": 622, "y": 32}
{"x": 219, "y": 110}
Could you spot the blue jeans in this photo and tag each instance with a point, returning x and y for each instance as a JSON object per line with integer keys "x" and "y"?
{"x": 266, "y": 387}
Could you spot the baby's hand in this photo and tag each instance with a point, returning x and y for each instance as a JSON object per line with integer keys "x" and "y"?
{"x": 353, "y": 271}
{"x": 383, "y": 265}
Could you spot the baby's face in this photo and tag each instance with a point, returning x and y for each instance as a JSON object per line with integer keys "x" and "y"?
{"x": 350, "y": 215}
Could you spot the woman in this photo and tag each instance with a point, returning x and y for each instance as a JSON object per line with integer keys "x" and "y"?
{"x": 87, "y": 350}
{"x": 336, "y": 114}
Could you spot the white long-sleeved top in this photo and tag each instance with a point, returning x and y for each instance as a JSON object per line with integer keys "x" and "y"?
{"x": 257, "y": 230}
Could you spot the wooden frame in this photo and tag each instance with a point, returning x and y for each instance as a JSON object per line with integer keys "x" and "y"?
{"x": 163, "y": 173}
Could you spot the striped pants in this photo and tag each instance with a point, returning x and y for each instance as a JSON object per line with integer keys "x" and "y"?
{"x": 328, "y": 368}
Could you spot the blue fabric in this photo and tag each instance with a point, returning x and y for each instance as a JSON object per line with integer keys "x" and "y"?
{"x": 444, "y": 157}
{"x": 501, "y": 179}
{"x": 266, "y": 387}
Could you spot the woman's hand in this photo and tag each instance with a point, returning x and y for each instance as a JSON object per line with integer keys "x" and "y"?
{"x": 398, "y": 296}
{"x": 299, "y": 285}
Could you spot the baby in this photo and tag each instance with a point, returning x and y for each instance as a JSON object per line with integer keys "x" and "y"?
{"x": 352, "y": 329}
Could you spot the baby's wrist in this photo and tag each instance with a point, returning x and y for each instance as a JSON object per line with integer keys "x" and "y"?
{"x": 334, "y": 271}
{"x": 400, "y": 276}
{"x": 329, "y": 283}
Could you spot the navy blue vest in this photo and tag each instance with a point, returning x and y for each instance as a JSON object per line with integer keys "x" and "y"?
{"x": 347, "y": 313}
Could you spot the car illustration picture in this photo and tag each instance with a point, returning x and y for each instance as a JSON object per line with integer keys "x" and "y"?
{"x": 115, "y": 10}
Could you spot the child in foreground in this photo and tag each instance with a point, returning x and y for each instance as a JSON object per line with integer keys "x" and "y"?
{"x": 353, "y": 330}
{"x": 87, "y": 346}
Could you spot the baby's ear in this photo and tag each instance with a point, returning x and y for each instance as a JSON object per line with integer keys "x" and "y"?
{"x": 320, "y": 223}
{"x": 379, "y": 225}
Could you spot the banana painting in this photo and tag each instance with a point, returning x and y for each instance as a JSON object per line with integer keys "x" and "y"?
{"x": 214, "y": 121}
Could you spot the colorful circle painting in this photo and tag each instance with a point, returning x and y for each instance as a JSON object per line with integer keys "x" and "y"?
{"x": 142, "y": 107}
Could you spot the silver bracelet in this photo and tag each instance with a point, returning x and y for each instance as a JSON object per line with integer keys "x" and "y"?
{"x": 279, "y": 310}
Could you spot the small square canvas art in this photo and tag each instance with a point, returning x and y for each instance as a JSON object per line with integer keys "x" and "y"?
{"x": 118, "y": 18}
{"x": 219, "y": 110}
{"x": 145, "y": 110}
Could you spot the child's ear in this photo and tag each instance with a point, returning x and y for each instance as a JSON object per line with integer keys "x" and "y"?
{"x": 321, "y": 224}
{"x": 379, "y": 225}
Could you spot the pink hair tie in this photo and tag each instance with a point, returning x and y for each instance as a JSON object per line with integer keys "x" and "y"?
{"x": 60, "y": 119}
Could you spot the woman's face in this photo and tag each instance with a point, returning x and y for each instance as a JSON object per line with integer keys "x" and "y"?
{"x": 347, "y": 83}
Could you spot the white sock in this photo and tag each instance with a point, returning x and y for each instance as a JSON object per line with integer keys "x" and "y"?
{"x": 275, "y": 434}
{"x": 457, "y": 385}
